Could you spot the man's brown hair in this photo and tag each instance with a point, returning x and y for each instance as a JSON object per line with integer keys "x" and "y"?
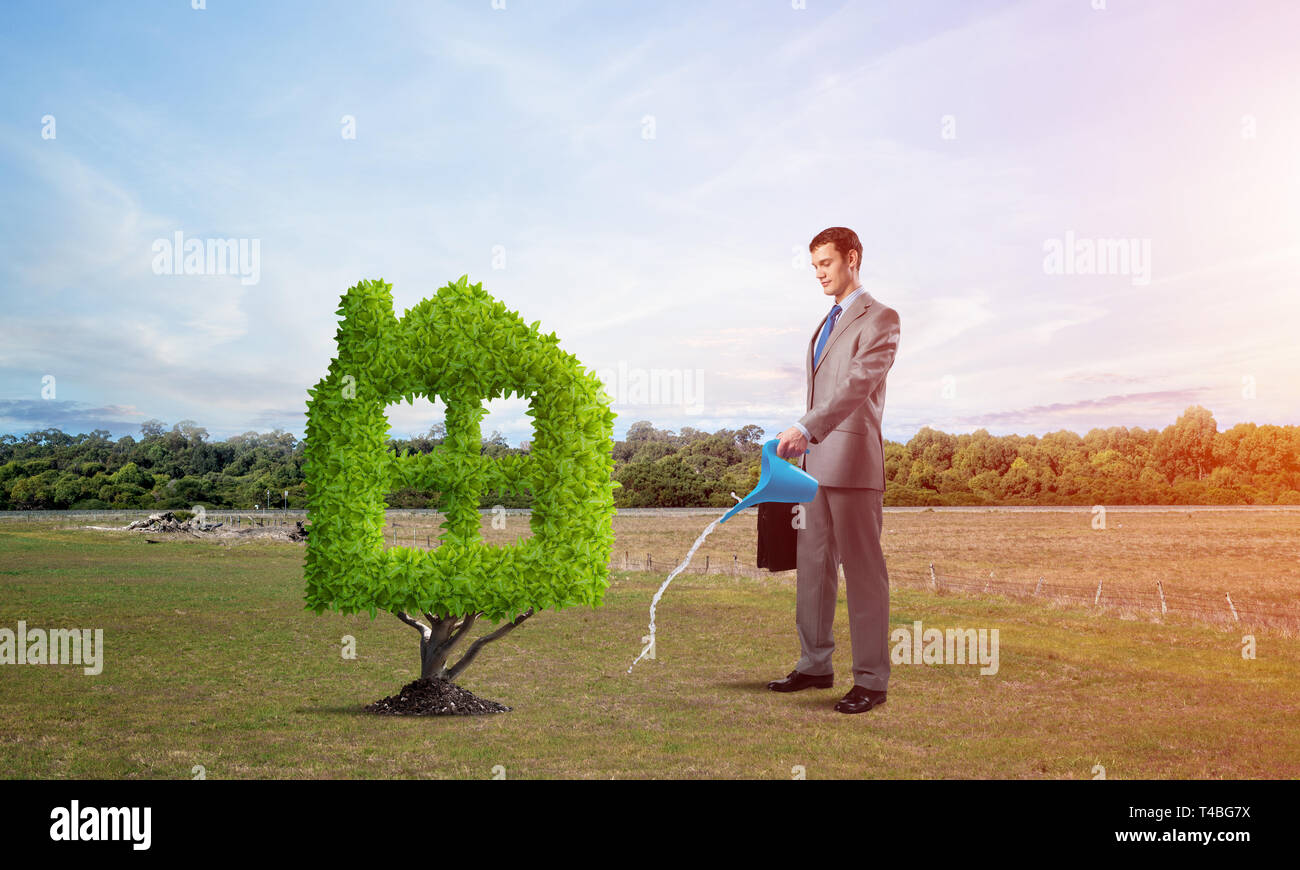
{"x": 843, "y": 238}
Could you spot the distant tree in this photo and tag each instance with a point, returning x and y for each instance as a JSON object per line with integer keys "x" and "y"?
{"x": 923, "y": 475}
{"x": 1020, "y": 482}
{"x": 749, "y": 436}
{"x": 192, "y": 433}
{"x": 644, "y": 430}
{"x": 132, "y": 475}
{"x": 936, "y": 448}
{"x": 1187, "y": 447}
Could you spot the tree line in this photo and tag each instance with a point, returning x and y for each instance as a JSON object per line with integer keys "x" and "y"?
{"x": 1187, "y": 462}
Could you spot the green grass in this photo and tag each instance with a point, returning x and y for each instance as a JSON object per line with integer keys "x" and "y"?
{"x": 210, "y": 660}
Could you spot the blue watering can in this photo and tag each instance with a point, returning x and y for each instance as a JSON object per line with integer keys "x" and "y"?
{"x": 778, "y": 480}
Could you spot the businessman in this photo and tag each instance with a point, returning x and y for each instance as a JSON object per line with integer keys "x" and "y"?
{"x": 848, "y": 358}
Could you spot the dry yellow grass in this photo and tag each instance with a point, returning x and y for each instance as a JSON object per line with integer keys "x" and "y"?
{"x": 1198, "y": 557}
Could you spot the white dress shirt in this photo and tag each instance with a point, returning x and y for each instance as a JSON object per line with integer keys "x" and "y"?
{"x": 844, "y": 306}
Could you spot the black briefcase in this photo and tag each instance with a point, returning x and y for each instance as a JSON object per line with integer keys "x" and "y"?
{"x": 777, "y": 536}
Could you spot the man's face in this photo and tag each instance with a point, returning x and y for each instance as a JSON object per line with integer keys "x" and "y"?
{"x": 833, "y": 270}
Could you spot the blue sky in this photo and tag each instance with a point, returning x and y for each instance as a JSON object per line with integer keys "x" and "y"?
{"x": 959, "y": 139}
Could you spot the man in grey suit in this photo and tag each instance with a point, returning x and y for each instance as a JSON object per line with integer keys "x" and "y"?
{"x": 848, "y": 358}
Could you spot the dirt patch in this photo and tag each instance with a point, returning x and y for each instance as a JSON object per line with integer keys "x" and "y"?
{"x": 430, "y": 697}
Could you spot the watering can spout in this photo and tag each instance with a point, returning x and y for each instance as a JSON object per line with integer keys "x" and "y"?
{"x": 778, "y": 480}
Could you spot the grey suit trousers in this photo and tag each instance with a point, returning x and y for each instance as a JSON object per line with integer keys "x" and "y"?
{"x": 843, "y": 525}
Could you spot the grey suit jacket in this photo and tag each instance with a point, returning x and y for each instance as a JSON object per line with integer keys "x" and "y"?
{"x": 846, "y": 396}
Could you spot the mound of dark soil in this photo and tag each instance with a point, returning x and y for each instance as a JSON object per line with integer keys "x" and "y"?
{"x": 430, "y": 697}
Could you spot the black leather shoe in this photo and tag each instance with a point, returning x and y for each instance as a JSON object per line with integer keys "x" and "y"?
{"x": 797, "y": 681}
{"x": 860, "y": 700}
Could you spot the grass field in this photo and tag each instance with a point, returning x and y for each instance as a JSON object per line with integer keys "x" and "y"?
{"x": 210, "y": 660}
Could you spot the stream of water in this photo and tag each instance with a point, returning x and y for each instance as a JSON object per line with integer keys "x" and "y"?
{"x": 660, "y": 594}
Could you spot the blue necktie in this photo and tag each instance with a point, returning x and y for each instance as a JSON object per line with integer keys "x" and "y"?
{"x": 826, "y": 333}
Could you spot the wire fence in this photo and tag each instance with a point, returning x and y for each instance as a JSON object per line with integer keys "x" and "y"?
{"x": 1155, "y": 597}
{"x": 1115, "y": 598}
{"x": 1158, "y": 598}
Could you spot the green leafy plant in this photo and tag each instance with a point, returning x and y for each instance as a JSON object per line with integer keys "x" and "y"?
{"x": 463, "y": 346}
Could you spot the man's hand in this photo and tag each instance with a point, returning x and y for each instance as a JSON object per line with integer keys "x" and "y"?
{"x": 793, "y": 443}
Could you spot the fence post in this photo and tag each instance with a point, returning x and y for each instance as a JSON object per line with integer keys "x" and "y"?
{"x": 625, "y": 560}
{"x": 933, "y": 583}
{"x": 1230, "y": 607}
{"x": 1161, "y": 590}
{"x": 1097, "y": 597}
{"x": 1038, "y": 585}
{"x": 706, "y": 564}
{"x": 733, "y": 564}
{"x": 649, "y": 562}
{"x": 988, "y": 582}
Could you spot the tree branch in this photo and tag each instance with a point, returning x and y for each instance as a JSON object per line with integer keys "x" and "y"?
{"x": 461, "y": 628}
{"x": 484, "y": 640}
{"x": 424, "y": 630}
{"x": 447, "y": 643}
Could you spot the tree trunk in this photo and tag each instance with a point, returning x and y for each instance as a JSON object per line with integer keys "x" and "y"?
{"x": 441, "y": 636}
{"x": 434, "y": 649}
